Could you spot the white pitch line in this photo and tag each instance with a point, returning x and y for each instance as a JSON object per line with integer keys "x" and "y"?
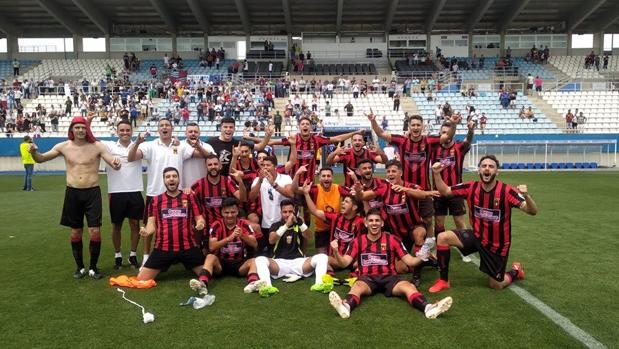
{"x": 566, "y": 324}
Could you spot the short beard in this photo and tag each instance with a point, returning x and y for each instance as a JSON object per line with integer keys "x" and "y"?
{"x": 492, "y": 178}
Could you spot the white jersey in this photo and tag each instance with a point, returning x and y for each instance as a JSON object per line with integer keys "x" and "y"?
{"x": 195, "y": 168}
{"x": 271, "y": 211}
{"x": 129, "y": 177}
{"x": 160, "y": 156}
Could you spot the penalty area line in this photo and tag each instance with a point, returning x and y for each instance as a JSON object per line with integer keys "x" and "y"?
{"x": 566, "y": 324}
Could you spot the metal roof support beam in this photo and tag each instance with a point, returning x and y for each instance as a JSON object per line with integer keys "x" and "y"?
{"x": 287, "y": 16}
{"x": 7, "y": 26}
{"x": 393, "y": 6}
{"x": 611, "y": 17}
{"x": 164, "y": 13}
{"x": 62, "y": 16}
{"x": 198, "y": 12}
{"x": 436, "y": 10}
{"x": 340, "y": 9}
{"x": 94, "y": 14}
{"x": 478, "y": 14}
{"x": 240, "y": 6}
{"x": 511, "y": 13}
{"x": 582, "y": 12}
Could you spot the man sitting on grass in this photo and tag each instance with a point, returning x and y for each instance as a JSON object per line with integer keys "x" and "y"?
{"x": 376, "y": 253}
{"x": 289, "y": 260}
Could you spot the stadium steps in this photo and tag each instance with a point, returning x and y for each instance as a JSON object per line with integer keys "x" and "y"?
{"x": 549, "y": 111}
{"x": 562, "y": 78}
{"x": 409, "y": 105}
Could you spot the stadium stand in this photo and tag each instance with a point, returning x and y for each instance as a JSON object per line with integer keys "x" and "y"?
{"x": 258, "y": 69}
{"x": 573, "y": 66}
{"x": 266, "y": 54}
{"x": 192, "y": 66}
{"x": 500, "y": 121}
{"x": 417, "y": 70}
{"x": 90, "y": 69}
{"x": 599, "y": 107}
{"x": 339, "y": 69}
{"x": 6, "y": 68}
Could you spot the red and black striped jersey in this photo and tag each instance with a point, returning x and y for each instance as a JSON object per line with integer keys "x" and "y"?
{"x": 306, "y": 155}
{"x": 377, "y": 258}
{"x": 415, "y": 158}
{"x": 375, "y": 186}
{"x": 400, "y": 209}
{"x": 211, "y": 196}
{"x": 235, "y": 250}
{"x": 490, "y": 212}
{"x": 350, "y": 160}
{"x": 344, "y": 230}
{"x": 452, "y": 158}
{"x": 174, "y": 217}
{"x": 249, "y": 173}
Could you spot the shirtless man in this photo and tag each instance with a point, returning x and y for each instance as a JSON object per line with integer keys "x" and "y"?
{"x": 82, "y": 154}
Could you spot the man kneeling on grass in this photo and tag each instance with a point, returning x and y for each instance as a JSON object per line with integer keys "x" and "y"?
{"x": 376, "y": 253}
{"x": 230, "y": 239}
{"x": 289, "y": 261}
{"x": 170, "y": 216}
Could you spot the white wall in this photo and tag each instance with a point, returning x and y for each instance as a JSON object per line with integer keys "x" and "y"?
{"x": 458, "y": 51}
{"x": 342, "y": 50}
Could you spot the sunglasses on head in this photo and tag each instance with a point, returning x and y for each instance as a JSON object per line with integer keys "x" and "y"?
{"x": 270, "y": 191}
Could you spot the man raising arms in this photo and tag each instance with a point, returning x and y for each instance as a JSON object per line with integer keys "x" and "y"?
{"x": 82, "y": 154}
{"x": 350, "y": 157}
{"x": 490, "y": 203}
{"x": 170, "y": 218}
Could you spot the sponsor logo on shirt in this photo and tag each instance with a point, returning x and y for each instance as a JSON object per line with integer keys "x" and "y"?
{"x": 232, "y": 247}
{"x": 370, "y": 259}
{"x": 224, "y": 156}
{"x": 214, "y": 201}
{"x": 449, "y": 161}
{"x": 305, "y": 154}
{"x": 415, "y": 157}
{"x": 487, "y": 214}
{"x": 167, "y": 213}
{"x": 343, "y": 235}
{"x": 375, "y": 204}
{"x": 397, "y": 209}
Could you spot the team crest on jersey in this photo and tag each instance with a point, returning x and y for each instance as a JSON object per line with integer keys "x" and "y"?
{"x": 329, "y": 209}
{"x": 496, "y": 202}
{"x": 422, "y": 147}
{"x": 311, "y": 145}
{"x": 383, "y": 246}
{"x": 175, "y": 151}
{"x": 185, "y": 202}
{"x": 452, "y": 152}
{"x": 289, "y": 239}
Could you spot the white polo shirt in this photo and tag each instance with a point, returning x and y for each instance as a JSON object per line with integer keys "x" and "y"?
{"x": 129, "y": 178}
{"x": 195, "y": 168}
{"x": 159, "y": 156}
{"x": 271, "y": 211}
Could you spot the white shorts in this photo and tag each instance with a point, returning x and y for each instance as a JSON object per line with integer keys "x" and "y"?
{"x": 291, "y": 266}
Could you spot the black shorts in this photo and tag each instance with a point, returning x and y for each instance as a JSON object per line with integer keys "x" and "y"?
{"x": 321, "y": 239}
{"x": 453, "y": 205}
{"x": 529, "y": 86}
{"x": 162, "y": 260}
{"x": 381, "y": 283}
{"x": 426, "y": 208}
{"x": 538, "y": 88}
{"x": 148, "y": 201}
{"x": 79, "y": 203}
{"x": 126, "y": 205}
{"x": 230, "y": 268}
{"x": 490, "y": 263}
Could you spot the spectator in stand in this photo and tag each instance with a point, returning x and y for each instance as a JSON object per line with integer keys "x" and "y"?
{"x": 349, "y": 109}
{"x": 580, "y": 119}
{"x": 538, "y": 84}
{"x": 15, "y": 67}
{"x": 568, "y": 119}
{"x": 385, "y": 123}
{"x": 483, "y": 120}
{"x": 529, "y": 114}
{"x": 153, "y": 71}
{"x": 396, "y": 102}
{"x": 605, "y": 66}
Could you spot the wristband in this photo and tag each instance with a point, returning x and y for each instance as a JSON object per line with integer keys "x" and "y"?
{"x": 281, "y": 230}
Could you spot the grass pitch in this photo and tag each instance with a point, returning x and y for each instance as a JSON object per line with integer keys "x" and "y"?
{"x": 569, "y": 251}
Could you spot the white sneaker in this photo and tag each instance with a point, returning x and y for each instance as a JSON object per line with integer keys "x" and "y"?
{"x": 254, "y": 286}
{"x": 434, "y": 310}
{"x": 198, "y": 286}
{"x": 338, "y": 305}
{"x": 466, "y": 259}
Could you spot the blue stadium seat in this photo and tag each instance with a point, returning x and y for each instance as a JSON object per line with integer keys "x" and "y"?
{"x": 554, "y": 165}
{"x": 579, "y": 165}
{"x": 538, "y": 166}
{"x": 593, "y": 164}
{"x": 562, "y": 165}
{"x": 569, "y": 165}
{"x": 530, "y": 166}
{"x": 520, "y": 166}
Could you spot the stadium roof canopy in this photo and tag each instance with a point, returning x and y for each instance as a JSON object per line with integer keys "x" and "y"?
{"x": 57, "y": 18}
